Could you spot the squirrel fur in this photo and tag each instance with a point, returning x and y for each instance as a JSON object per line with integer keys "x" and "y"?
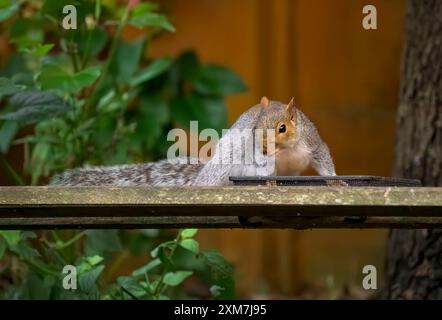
{"x": 296, "y": 146}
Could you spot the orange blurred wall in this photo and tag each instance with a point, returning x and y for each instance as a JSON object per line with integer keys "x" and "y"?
{"x": 343, "y": 77}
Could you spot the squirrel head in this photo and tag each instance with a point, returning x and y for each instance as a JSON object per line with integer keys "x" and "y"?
{"x": 281, "y": 118}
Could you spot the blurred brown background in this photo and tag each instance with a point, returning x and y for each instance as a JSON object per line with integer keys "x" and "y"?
{"x": 343, "y": 77}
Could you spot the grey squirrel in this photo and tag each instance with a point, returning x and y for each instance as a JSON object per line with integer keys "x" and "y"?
{"x": 296, "y": 145}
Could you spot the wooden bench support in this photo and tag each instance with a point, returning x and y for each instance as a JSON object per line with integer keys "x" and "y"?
{"x": 219, "y": 207}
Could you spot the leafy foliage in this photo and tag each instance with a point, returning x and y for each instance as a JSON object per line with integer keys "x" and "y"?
{"x": 93, "y": 111}
{"x": 157, "y": 279}
{"x": 35, "y": 106}
{"x": 91, "y": 96}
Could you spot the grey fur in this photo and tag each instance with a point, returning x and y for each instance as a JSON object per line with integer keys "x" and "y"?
{"x": 321, "y": 159}
{"x": 215, "y": 173}
{"x": 160, "y": 173}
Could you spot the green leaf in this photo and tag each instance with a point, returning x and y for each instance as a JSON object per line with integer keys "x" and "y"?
{"x": 188, "y": 233}
{"x": 165, "y": 259}
{"x": 7, "y": 133}
{"x": 16, "y": 69}
{"x": 87, "y": 263}
{"x": 8, "y": 87}
{"x": 24, "y": 251}
{"x": 91, "y": 41}
{"x": 86, "y": 77}
{"x": 210, "y": 112}
{"x": 40, "y": 49}
{"x": 3, "y": 246}
{"x": 20, "y": 246}
{"x": 87, "y": 280}
{"x": 12, "y": 237}
{"x": 217, "y": 80}
{"x": 221, "y": 273}
{"x": 157, "y": 67}
{"x": 155, "y": 251}
{"x": 102, "y": 241}
{"x": 35, "y": 106}
{"x": 41, "y": 155}
{"x": 175, "y": 278}
{"x": 8, "y": 8}
{"x": 191, "y": 245}
{"x": 94, "y": 260}
{"x": 5, "y": 3}
{"x": 28, "y": 235}
{"x": 26, "y": 33}
{"x": 152, "y": 117}
{"x": 129, "y": 284}
{"x": 142, "y": 8}
{"x": 146, "y": 268}
{"x": 188, "y": 64}
{"x": 37, "y": 288}
{"x": 126, "y": 59}
{"x": 52, "y": 76}
{"x": 142, "y": 16}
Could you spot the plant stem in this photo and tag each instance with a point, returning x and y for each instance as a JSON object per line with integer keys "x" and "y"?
{"x": 129, "y": 293}
{"x": 55, "y": 253}
{"x": 55, "y": 235}
{"x": 18, "y": 180}
{"x": 86, "y": 56}
{"x": 74, "y": 56}
{"x": 160, "y": 286}
{"x": 41, "y": 269}
{"x": 97, "y": 15}
{"x": 71, "y": 241}
{"x": 109, "y": 59}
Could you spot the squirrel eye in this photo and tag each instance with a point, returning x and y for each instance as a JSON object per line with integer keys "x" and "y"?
{"x": 282, "y": 128}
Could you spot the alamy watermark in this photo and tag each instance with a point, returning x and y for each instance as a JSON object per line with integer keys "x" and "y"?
{"x": 70, "y": 278}
{"x": 234, "y": 147}
{"x": 370, "y": 20}
{"x": 370, "y": 281}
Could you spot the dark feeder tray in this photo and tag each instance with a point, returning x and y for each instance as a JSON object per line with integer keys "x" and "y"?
{"x": 351, "y": 181}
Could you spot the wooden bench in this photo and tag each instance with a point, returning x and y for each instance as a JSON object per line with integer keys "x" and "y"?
{"x": 220, "y": 207}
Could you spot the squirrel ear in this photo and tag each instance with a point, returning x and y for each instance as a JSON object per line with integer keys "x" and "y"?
{"x": 290, "y": 105}
{"x": 265, "y": 102}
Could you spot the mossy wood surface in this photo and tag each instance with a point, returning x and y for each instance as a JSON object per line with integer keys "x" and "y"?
{"x": 243, "y": 207}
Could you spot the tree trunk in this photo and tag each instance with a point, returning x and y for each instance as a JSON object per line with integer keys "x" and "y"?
{"x": 414, "y": 257}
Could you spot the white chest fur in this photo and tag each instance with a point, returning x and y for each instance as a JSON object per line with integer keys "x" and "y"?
{"x": 293, "y": 161}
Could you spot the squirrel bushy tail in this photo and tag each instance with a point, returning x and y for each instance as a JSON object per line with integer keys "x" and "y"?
{"x": 159, "y": 173}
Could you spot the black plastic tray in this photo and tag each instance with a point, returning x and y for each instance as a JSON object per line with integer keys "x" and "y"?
{"x": 356, "y": 181}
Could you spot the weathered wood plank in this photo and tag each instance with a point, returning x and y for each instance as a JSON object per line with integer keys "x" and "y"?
{"x": 235, "y": 207}
{"x": 244, "y": 195}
